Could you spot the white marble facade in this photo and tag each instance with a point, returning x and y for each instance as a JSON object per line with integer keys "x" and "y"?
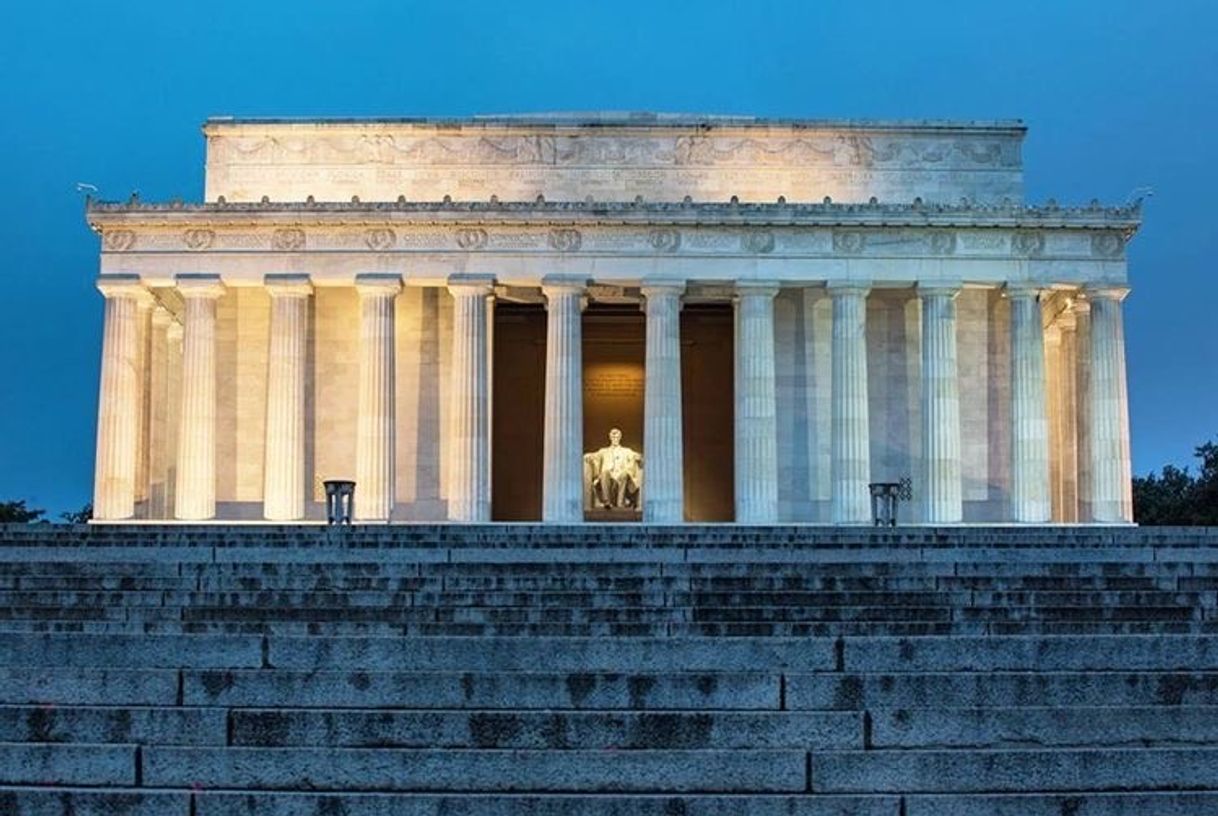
{"x": 329, "y": 312}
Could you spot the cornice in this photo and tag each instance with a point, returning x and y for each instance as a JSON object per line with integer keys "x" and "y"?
{"x": 103, "y": 215}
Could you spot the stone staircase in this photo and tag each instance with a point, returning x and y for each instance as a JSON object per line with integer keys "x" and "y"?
{"x": 519, "y": 669}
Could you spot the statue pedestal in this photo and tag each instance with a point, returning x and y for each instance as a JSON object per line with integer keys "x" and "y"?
{"x": 613, "y": 516}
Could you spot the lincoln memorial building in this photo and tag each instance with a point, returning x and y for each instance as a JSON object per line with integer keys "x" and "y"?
{"x": 625, "y": 317}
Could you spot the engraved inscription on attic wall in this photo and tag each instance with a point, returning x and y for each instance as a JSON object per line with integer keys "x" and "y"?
{"x": 384, "y": 160}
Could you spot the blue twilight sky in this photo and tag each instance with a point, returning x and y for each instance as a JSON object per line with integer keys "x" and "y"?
{"x": 1118, "y": 94}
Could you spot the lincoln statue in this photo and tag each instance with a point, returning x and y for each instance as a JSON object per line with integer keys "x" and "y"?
{"x": 614, "y": 475}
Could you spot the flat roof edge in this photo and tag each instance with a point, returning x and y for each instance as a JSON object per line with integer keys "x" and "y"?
{"x": 625, "y": 121}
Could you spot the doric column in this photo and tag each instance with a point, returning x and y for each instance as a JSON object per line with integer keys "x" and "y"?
{"x": 756, "y": 405}
{"x": 374, "y": 446}
{"x": 175, "y": 334}
{"x": 143, "y": 450}
{"x": 664, "y": 486}
{"x": 943, "y": 501}
{"x": 562, "y": 464}
{"x": 119, "y": 399}
{"x": 283, "y": 473}
{"x": 850, "y": 447}
{"x": 1029, "y": 421}
{"x": 1110, "y": 466}
{"x": 1082, "y": 399}
{"x": 469, "y": 471}
{"x": 159, "y": 401}
{"x": 196, "y": 477}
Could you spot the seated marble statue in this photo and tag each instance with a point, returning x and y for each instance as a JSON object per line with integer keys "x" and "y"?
{"x": 613, "y": 476}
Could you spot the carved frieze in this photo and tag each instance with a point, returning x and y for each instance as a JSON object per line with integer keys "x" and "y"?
{"x": 470, "y": 238}
{"x": 288, "y": 240}
{"x": 664, "y": 240}
{"x": 119, "y": 240}
{"x": 198, "y": 240}
{"x": 565, "y": 240}
{"x": 1028, "y": 243}
{"x": 848, "y": 242}
{"x": 757, "y": 242}
{"x": 1107, "y": 244}
{"x": 942, "y": 242}
{"x": 381, "y": 239}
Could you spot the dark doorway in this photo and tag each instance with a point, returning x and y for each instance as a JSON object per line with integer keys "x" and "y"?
{"x": 518, "y": 408}
{"x": 708, "y": 411}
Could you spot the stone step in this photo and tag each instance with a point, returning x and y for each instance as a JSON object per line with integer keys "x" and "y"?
{"x": 143, "y": 725}
{"x": 1129, "y": 726}
{"x": 68, "y": 801}
{"x": 1074, "y": 802}
{"x": 553, "y": 730}
{"x": 472, "y": 770}
{"x": 208, "y": 651}
{"x": 57, "y": 685}
{"x": 1116, "y": 653}
{"x": 492, "y": 690}
{"x": 342, "y": 628}
{"x": 1000, "y": 689}
{"x": 1014, "y": 771}
{"x": 74, "y": 764}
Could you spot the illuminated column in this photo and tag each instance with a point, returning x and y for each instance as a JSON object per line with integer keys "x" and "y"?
{"x": 283, "y": 489}
{"x": 196, "y": 477}
{"x": 1082, "y": 397}
{"x": 562, "y": 464}
{"x": 469, "y": 472}
{"x": 756, "y": 405}
{"x": 142, "y": 373}
{"x": 1029, "y": 421}
{"x": 664, "y": 486}
{"x": 175, "y": 334}
{"x": 1110, "y": 466}
{"x": 940, "y": 406}
{"x": 374, "y": 446}
{"x": 850, "y": 449}
{"x": 159, "y": 404}
{"x": 118, "y": 408}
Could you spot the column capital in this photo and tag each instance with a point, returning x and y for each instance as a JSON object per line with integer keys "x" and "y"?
{"x": 939, "y": 288}
{"x": 119, "y": 286}
{"x": 1023, "y": 289}
{"x": 756, "y": 288}
{"x": 563, "y": 284}
{"x": 1114, "y": 292}
{"x": 377, "y": 284}
{"x": 200, "y": 286}
{"x": 660, "y": 287}
{"x": 839, "y": 288}
{"x": 288, "y": 285}
{"x": 162, "y": 317}
{"x": 471, "y": 284}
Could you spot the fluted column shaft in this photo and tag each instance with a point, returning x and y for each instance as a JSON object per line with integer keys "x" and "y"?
{"x": 562, "y": 463}
{"x": 850, "y": 447}
{"x": 283, "y": 473}
{"x": 118, "y": 407}
{"x": 196, "y": 476}
{"x": 1111, "y": 481}
{"x": 143, "y": 445}
{"x": 375, "y": 434}
{"x": 1029, "y": 419}
{"x": 469, "y": 472}
{"x": 159, "y": 452}
{"x": 943, "y": 503}
{"x": 756, "y": 423}
{"x": 664, "y": 488}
